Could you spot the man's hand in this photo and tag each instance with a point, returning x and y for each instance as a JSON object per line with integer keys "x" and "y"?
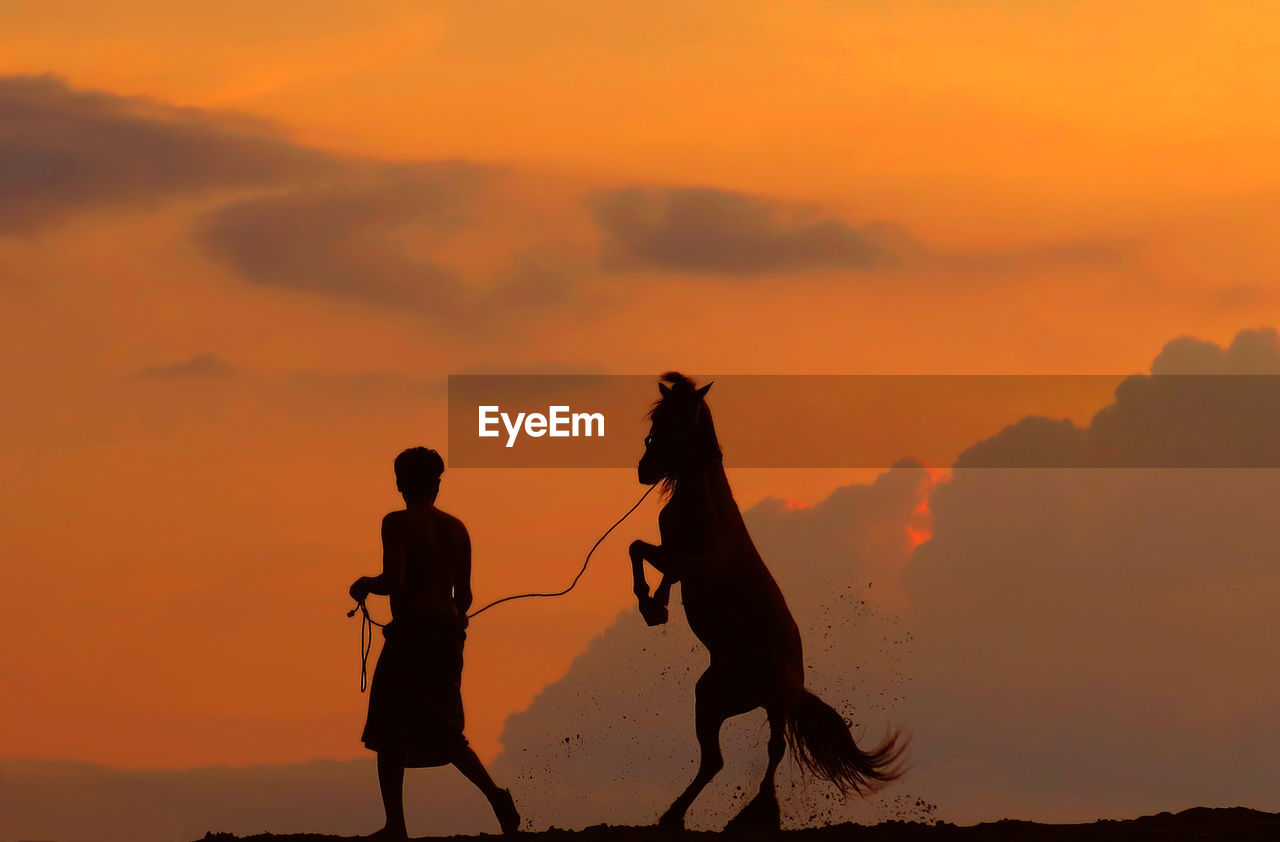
{"x": 359, "y": 589}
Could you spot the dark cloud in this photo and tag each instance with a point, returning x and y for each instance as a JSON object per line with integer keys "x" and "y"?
{"x": 340, "y": 238}
{"x": 721, "y": 232}
{"x": 366, "y": 230}
{"x": 324, "y": 224}
{"x": 63, "y": 150}
{"x": 202, "y": 365}
{"x": 703, "y": 229}
{"x": 369, "y": 236}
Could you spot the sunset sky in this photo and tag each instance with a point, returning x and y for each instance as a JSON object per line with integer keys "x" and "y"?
{"x": 243, "y": 244}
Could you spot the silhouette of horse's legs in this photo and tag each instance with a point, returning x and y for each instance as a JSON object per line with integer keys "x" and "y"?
{"x": 762, "y": 812}
{"x": 652, "y": 608}
{"x": 714, "y": 704}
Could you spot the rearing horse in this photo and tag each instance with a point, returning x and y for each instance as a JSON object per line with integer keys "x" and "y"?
{"x": 736, "y": 609}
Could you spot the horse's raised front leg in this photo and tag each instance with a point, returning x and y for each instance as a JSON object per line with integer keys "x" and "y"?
{"x": 652, "y": 608}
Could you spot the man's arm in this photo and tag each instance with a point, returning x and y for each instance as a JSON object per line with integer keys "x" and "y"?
{"x": 462, "y": 584}
{"x": 392, "y": 575}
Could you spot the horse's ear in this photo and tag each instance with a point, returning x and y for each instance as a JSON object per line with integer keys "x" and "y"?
{"x": 702, "y": 393}
{"x": 662, "y": 387}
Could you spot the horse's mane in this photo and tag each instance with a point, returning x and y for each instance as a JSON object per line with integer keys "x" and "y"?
{"x": 680, "y": 385}
{"x": 684, "y": 388}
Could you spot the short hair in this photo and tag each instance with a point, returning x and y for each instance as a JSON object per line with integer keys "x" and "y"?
{"x": 418, "y": 472}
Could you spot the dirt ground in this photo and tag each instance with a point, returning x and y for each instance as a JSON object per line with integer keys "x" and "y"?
{"x": 1200, "y": 823}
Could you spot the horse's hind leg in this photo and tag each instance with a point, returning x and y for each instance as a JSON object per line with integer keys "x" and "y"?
{"x": 712, "y": 707}
{"x": 762, "y": 812}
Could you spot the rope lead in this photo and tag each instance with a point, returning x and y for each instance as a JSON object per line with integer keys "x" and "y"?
{"x": 367, "y": 622}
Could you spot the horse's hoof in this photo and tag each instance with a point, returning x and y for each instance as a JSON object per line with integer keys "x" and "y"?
{"x": 761, "y": 813}
{"x": 671, "y": 821}
{"x": 654, "y": 612}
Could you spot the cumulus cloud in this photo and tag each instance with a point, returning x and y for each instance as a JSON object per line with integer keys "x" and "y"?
{"x": 63, "y": 150}
{"x": 1097, "y": 641}
{"x": 709, "y": 230}
{"x": 1202, "y": 406}
{"x": 1254, "y": 351}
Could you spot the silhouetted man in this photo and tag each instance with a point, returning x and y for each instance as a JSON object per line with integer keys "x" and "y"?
{"x": 415, "y": 700}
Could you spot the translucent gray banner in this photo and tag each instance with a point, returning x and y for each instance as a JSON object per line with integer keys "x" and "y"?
{"x": 876, "y": 421}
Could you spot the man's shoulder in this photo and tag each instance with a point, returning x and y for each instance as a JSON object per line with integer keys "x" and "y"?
{"x": 450, "y": 522}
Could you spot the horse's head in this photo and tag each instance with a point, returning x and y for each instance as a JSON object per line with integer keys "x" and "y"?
{"x": 681, "y": 434}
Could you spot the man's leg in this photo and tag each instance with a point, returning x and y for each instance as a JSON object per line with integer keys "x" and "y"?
{"x": 504, "y": 806}
{"x": 391, "y": 782}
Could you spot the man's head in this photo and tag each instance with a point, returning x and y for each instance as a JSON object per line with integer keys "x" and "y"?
{"x": 418, "y": 471}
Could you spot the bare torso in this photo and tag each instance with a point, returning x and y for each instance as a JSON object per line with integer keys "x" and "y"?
{"x": 436, "y": 553}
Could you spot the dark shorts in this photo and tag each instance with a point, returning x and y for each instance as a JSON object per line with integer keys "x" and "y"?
{"x": 415, "y": 698}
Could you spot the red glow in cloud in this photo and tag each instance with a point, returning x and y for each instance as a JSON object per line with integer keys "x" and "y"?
{"x": 920, "y": 528}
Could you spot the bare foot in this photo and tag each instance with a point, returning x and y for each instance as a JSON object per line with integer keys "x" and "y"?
{"x": 504, "y": 807}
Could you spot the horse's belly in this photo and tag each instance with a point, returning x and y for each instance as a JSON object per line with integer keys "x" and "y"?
{"x": 732, "y": 630}
{"x": 707, "y": 620}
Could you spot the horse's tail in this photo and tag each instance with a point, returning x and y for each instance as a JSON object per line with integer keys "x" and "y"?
{"x": 821, "y": 741}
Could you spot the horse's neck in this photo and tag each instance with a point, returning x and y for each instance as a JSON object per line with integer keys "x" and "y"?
{"x": 704, "y": 486}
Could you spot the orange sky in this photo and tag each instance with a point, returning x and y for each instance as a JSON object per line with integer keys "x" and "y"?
{"x": 1081, "y": 181}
